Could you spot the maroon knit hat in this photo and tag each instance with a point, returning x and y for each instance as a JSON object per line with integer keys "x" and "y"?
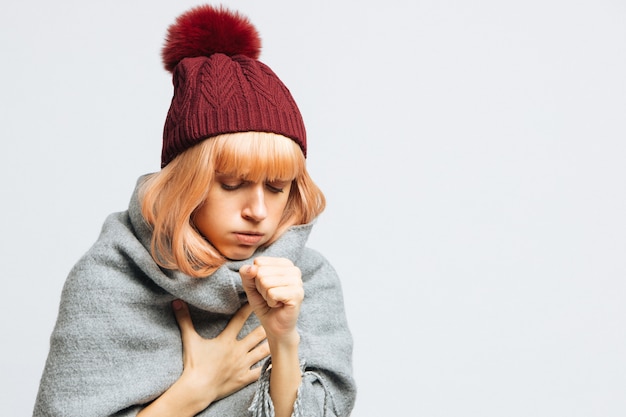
{"x": 219, "y": 85}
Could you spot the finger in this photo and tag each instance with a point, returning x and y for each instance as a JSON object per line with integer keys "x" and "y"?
{"x": 248, "y": 279}
{"x": 264, "y": 286}
{"x": 254, "y": 375}
{"x": 260, "y": 288}
{"x": 248, "y": 272}
{"x": 287, "y": 295}
{"x": 273, "y": 275}
{"x": 236, "y": 323}
{"x": 253, "y": 338}
{"x": 281, "y": 279}
{"x": 183, "y": 318}
{"x": 260, "y": 352}
{"x": 268, "y": 260}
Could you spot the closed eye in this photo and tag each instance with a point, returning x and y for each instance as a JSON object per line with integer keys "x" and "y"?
{"x": 276, "y": 186}
{"x": 274, "y": 189}
{"x": 231, "y": 187}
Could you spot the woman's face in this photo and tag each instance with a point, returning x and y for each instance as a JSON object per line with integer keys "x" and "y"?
{"x": 239, "y": 216}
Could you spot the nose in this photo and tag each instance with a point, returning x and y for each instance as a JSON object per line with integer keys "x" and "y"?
{"x": 255, "y": 208}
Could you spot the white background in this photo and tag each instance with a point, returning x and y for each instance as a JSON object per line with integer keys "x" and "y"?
{"x": 473, "y": 154}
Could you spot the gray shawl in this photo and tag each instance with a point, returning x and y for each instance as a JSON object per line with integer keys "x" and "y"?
{"x": 116, "y": 345}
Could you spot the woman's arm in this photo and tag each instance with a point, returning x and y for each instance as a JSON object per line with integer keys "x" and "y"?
{"x": 275, "y": 292}
{"x": 212, "y": 368}
{"x": 285, "y": 377}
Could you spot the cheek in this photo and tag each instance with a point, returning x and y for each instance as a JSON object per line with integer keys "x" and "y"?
{"x": 284, "y": 199}
{"x": 206, "y": 217}
{"x": 200, "y": 221}
{"x": 278, "y": 208}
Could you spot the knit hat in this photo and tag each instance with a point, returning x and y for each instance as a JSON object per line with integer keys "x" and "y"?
{"x": 219, "y": 85}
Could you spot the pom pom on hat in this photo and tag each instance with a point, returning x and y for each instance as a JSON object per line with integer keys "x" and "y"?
{"x": 219, "y": 85}
{"x": 206, "y": 30}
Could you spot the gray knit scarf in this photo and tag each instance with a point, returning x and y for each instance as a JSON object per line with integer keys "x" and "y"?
{"x": 116, "y": 345}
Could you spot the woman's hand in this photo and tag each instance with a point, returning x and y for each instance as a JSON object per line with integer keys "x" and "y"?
{"x": 212, "y": 368}
{"x": 275, "y": 292}
{"x": 221, "y": 365}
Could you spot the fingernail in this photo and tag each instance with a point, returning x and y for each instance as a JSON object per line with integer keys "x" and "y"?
{"x": 177, "y": 304}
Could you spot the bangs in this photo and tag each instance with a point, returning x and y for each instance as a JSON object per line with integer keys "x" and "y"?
{"x": 258, "y": 156}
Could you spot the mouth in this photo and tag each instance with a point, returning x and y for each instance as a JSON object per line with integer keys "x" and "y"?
{"x": 249, "y": 238}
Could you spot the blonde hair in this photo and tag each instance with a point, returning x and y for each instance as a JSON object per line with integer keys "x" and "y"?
{"x": 170, "y": 196}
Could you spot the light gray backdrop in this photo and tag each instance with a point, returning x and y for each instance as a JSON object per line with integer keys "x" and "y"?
{"x": 473, "y": 155}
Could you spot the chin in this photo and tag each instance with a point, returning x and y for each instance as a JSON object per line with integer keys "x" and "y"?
{"x": 240, "y": 256}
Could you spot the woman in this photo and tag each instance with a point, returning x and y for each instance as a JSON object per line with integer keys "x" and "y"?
{"x": 201, "y": 298}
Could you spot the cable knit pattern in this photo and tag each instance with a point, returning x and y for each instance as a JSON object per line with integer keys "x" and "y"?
{"x": 116, "y": 345}
{"x": 221, "y": 94}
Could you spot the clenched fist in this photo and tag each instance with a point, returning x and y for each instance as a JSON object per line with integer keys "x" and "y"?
{"x": 275, "y": 292}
